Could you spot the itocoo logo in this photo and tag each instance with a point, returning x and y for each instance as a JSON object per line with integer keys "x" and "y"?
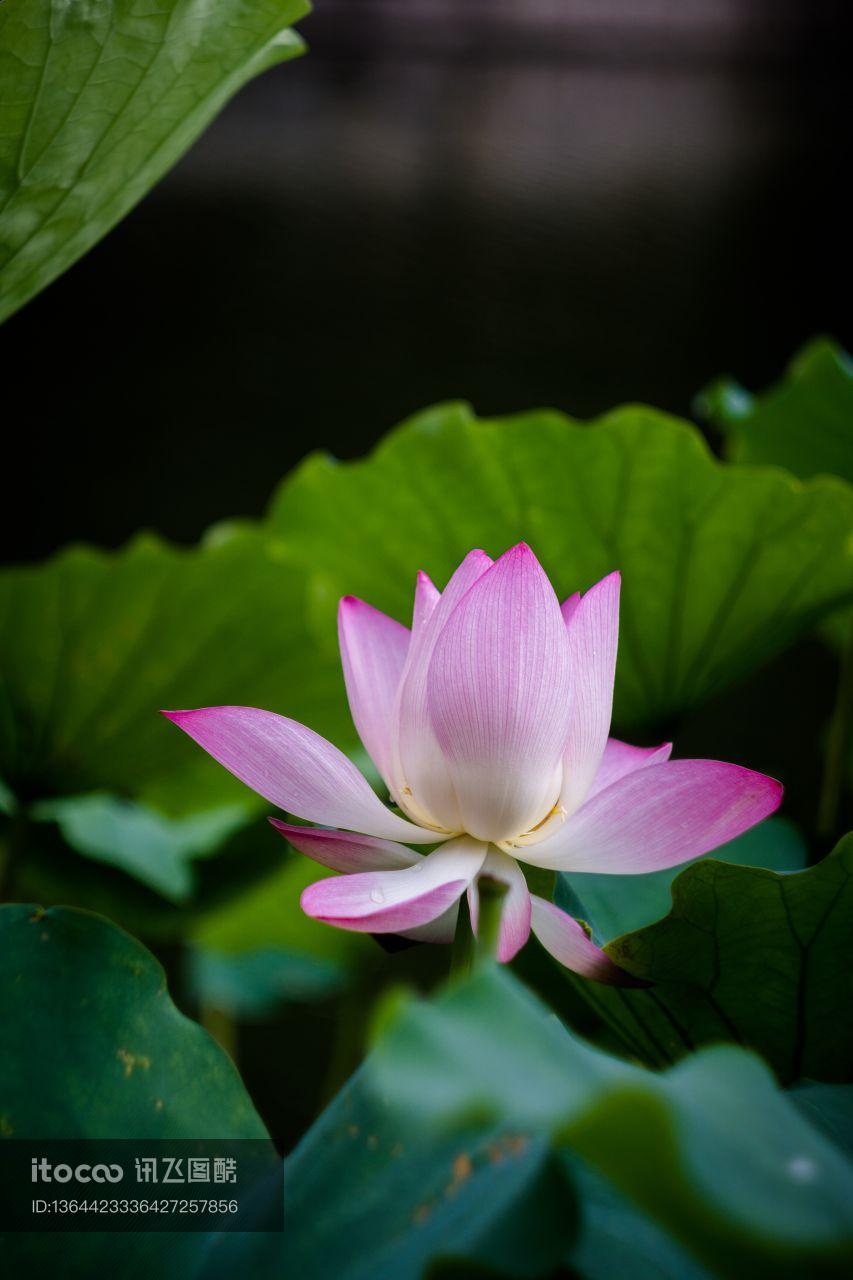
{"x": 44, "y": 1171}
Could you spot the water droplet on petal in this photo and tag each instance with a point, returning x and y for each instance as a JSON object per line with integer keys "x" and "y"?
{"x": 376, "y": 895}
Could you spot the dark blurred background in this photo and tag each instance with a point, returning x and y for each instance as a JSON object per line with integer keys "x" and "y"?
{"x": 563, "y": 202}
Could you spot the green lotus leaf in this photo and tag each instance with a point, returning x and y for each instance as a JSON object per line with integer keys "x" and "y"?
{"x": 722, "y": 567}
{"x": 95, "y": 1048}
{"x": 99, "y": 100}
{"x": 93, "y": 644}
{"x": 748, "y": 955}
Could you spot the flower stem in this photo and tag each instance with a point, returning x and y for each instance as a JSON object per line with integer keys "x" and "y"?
{"x": 462, "y": 947}
{"x": 491, "y": 894}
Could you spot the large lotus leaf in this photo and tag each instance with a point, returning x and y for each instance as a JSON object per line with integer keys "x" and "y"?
{"x": 93, "y": 1047}
{"x": 99, "y": 100}
{"x": 747, "y": 955}
{"x": 804, "y": 423}
{"x": 371, "y": 1192}
{"x": 829, "y": 1107}
{"x": 721, "y": 566}
{"x": 711, "y": 1148}
{"x": 617, "y": 1239}
{"x": 93, "y": 644}
{"x": 374, "y": 1191}
{"x": 98, "y": 1048}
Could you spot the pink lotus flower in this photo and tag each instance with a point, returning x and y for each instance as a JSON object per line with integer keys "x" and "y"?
{"x": 488, "y": 722}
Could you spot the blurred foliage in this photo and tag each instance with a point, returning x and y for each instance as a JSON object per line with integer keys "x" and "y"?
{"x": 829, "y": 1107}
{"x": 617, "y": 1238}
{"x": 802, "y": 424}
{"x": 99, "y": 100}
{"x": 375, "y": 1192}
{"x": 258, "y": 950}
{"x": 268, "y": 913}
{"x": 728, "y": 1146}
{"x": 39, "y": 865}
{"x": 463, "y": 1137}
{"x": 257, "y": 983}
{"x": 156, "y": 850}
